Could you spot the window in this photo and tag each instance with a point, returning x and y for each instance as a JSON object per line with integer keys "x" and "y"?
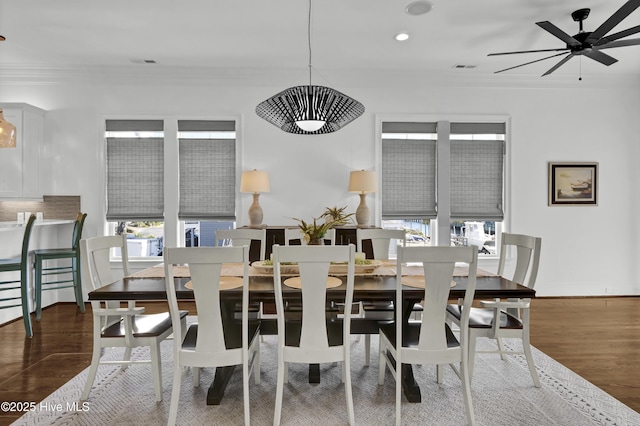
{"x": 207, "y": 160}
{"x": 439, "y": 173}
{"x": 408, "y": 189}
{"x": 135, "y": 184}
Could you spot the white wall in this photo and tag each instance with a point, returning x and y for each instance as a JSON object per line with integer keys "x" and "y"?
{"x": 586, "y": 250}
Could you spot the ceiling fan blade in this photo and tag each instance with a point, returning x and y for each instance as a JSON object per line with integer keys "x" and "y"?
{"x": 559, "y": 64}
{"x": 613, "y": 20}
{"x": 548, "y": 26}
{"x": 612, "y": 37}
{"x": 619, "y": 43}
{"x": 603, "y": 58}
{"x": 532, "y": 62}
{"x": 527, "y": 51}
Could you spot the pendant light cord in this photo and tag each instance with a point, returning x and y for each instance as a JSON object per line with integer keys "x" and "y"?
{"x": 309, "y": 40}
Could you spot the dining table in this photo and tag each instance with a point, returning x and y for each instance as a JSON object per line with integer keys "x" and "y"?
{"x": 377, "y": 285}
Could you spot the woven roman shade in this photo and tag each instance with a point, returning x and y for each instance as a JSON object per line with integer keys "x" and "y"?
{"x": 135, "y": 172}
{"x": 408, "y": 175}
{"x": 477, "y": 172}
{"x": 207, "y": 171}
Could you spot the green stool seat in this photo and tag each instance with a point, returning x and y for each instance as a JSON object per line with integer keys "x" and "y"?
{"x": 66, "y": 276}
{"x": 19, "y": 264}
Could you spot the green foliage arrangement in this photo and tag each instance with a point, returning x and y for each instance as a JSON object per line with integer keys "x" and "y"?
{"x": 314, "y": 231}
{"x": 337, "y": 215}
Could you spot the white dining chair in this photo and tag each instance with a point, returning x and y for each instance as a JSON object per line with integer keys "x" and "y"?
{"x": 315, "y": 338}
{"x": 430, "y": 341}
{"x": 372, "y": 312}
{"x": 211, "y": 342}
{"x": 243, "y": 237}
{"x": 120, "y": 327}
{"x": 497, "y": 319}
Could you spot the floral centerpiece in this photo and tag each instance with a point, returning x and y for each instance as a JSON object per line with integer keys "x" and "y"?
{"x": 337, "y": 215}
{"x": 314, "y": 232}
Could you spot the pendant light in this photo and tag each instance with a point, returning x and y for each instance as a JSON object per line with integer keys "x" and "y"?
{"x": 7, "y": 133}
{"x": 310, "y": 110}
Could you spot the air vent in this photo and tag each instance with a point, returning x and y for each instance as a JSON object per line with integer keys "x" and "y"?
{"x": 463, "y": 66}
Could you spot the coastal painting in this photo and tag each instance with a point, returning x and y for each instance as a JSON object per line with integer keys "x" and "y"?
{"x": 573, "y": 184}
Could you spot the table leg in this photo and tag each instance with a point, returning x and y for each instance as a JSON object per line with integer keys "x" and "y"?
{"x": 409, "y": 385}
{"x": 314, "y": 373}
{"x": 223, "y": 374}
{"x": 220, "y": 381}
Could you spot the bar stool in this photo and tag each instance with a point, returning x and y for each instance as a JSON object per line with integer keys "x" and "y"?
{"x": 72, "y": 271}
{"x": 19, "y": 264}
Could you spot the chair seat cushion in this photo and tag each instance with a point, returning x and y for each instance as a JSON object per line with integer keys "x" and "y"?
{"x": 232, "y": 335}
{"x": 143, "y": 325}
{"x": 411, "y": 334}
{"x": 483, "y": 317}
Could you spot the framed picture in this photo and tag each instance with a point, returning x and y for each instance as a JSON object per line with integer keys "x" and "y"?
{"x": 573, "y": 184}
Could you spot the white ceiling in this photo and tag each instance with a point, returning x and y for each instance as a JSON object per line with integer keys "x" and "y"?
{"x": 347, "y": 35}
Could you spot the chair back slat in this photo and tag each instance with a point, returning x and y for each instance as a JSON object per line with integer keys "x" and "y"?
{"x": 438, "y": 264}
{"x": 313, "y": 263}
{"x": 527, "y": 257}
{"x": 95, "y": 256}
{"x": 26, "y": 237}
{"x": 380, "y": 240}
{"x": 76, "y": 236}
{"x": 243, "y": 237}
{"x": 205, "y": 267}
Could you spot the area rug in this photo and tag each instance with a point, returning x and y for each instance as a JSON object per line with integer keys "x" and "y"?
{"x": 502, "y": 393}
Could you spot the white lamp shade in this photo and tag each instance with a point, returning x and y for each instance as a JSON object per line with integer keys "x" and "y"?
{"x": 363, "y": 181}
{"x": 310, "y": 125}
{"x": 254, "y": 181}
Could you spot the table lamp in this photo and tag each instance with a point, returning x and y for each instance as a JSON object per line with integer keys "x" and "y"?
{"x": 363, "y": 182}
{"x": 254, "y": 181}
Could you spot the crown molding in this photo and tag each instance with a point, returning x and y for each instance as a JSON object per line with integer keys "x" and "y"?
{"x": 149, "y": 75}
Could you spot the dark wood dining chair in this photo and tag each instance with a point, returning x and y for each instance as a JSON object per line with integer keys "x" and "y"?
{"x": 56, "y": 277}
{"x": 19, "y": 264}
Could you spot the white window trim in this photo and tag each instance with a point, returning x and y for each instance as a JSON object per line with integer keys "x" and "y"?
{"x": 173, "y": 228}
{"x": 429, "y": 118}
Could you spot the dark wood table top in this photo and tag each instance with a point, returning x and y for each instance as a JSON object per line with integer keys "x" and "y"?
{"x": 261, "y": 289}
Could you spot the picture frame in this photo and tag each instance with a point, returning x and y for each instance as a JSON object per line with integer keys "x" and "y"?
{"x": 573, "y": 184}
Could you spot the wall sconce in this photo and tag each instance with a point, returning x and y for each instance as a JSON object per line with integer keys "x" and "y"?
{"x": 363, "y": 182}
{"x": 7, "y": 133}
{"x": 255, "y": 182}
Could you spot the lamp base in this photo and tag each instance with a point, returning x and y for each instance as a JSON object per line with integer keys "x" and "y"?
{"x": 362, "y": 212}
{"x": 255, "y": 212}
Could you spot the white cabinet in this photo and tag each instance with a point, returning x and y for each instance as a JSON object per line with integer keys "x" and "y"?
{"x": 20, "y": 166}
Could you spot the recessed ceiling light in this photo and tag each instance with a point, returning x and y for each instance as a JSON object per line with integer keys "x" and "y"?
{"x": 401, "y": 36}
{"x": 418, "y": 8}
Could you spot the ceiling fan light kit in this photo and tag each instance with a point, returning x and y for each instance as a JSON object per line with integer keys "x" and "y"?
{"x": 585, "y": 43}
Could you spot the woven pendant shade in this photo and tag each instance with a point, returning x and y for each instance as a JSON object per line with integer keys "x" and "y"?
{"x": 310, "y": 103}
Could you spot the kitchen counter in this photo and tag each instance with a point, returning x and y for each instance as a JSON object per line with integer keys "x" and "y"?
{"x": 45, "y": 222}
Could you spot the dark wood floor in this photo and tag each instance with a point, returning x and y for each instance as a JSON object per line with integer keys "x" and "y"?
{"x": 598, "y": 338}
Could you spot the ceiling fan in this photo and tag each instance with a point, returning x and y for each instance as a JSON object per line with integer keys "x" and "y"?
{"x": 586, "y": 43}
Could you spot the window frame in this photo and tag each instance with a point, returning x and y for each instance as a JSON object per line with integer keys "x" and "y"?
{"x": 440, "y": 227}
{"x": 173, "y": 227}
